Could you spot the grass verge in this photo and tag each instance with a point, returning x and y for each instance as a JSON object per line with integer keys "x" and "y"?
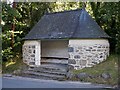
{"x": 14, "y": 64}
{"x": 108, "y": 66}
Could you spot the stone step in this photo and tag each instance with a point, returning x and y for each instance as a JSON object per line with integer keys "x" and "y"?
{"x": 44, "y": 75}
{"x": 56, "y": 61}
{"x": 50, "y": 67}
{"x": 51, "y": 72}
{"x": 48, "y": 71}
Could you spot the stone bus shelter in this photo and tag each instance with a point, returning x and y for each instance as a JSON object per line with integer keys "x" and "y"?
{"x": 69, "y": 37}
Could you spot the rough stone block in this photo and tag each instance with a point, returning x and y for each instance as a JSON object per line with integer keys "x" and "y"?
{"x": 83, "y": 62}
{"x": 70, "y": 49}
{"x": 70, "y": 67}
{"x": 77, "y": 56}
{"x": 70, "y": 75}
{"x": 31, "y": 63}
{"x": 94, "y": 62}
{"x": 82, "y": 75}
{"x": 33, "y": 46}
{"x": 32, "y": 55}
{"x": 30, "y": 51}
{"x": 94, "y": 50}
{"x": 88, "y": 50}
{"x": 71, "y": 61}
{"x": 106, "y": 75}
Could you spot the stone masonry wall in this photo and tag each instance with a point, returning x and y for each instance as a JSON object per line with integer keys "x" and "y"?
{"x": 31, "y": 53}
{"x": 87, "y": 52}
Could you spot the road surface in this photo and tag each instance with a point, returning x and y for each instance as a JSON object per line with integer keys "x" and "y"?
{"x": 20, "y": 82}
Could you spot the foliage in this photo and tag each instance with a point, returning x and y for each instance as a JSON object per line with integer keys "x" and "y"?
{"x": 107, "y": 16}
{"x": 26, "y": 15}
{"x": 62, "y": 6}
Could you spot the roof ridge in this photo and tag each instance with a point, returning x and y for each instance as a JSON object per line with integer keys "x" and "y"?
{"x": 77, "y": 26}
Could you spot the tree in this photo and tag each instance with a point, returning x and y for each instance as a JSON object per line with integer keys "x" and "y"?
{"x": 26, "y": 15}
{"x": 107, "y": 16}
{"x": 22, "y": 18}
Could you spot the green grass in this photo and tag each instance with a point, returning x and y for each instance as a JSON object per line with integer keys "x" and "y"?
{"x": 12, "y": 65}
{"x": 110, "y": 65}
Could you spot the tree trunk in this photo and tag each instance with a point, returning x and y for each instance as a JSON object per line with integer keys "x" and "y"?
{"x": 13, "y": 28}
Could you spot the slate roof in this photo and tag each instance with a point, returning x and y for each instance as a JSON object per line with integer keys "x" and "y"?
{"x": 66, "y": 25}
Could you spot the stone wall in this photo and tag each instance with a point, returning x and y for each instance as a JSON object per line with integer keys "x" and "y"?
{"x": 31, "y": 53}
{"x": 87, "y": 52}
{"x": 82, "y": 53}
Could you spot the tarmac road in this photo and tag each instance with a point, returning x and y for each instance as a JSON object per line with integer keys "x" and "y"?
{"x": 23, "y": 82}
